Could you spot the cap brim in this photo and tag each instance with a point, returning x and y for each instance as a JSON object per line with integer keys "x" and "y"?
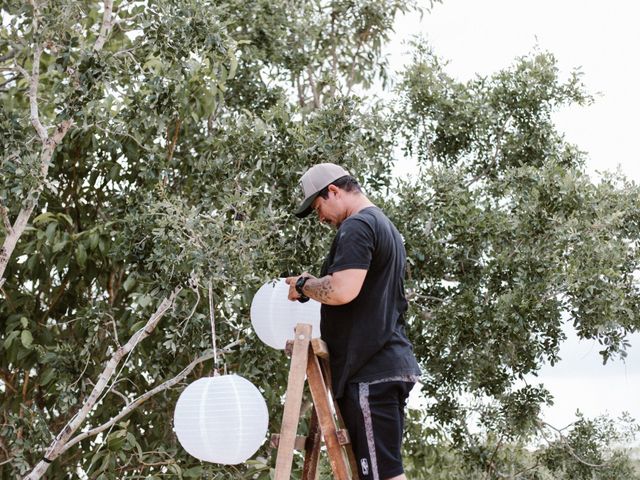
{"x": 305, "y": 208}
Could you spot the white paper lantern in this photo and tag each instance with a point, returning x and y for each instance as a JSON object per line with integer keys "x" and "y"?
{"x": 274, "y": 316}
{"x": 221, "y": 419}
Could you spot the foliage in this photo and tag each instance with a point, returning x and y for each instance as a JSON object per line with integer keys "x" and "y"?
{"x": 589, "y": 449}
{"x": 599, "y": 441}
{"x": 507, "y": 238}
{"x": 179, "y": 170}
{"x": 190, "y": 129}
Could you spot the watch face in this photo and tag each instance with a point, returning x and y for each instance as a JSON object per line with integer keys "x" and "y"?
{"x": 300, "y": 283}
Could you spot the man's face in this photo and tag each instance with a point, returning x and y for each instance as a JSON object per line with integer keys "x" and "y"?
{"x": 329, "y": 209}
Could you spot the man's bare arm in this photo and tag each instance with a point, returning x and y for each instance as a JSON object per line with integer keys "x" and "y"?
{"x": 338, "y": 288}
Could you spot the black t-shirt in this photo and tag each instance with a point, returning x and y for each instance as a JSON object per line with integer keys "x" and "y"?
{"x": 366, "y": 337}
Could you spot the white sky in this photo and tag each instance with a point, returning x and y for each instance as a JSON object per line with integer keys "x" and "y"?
{"x": 603, "y": 40}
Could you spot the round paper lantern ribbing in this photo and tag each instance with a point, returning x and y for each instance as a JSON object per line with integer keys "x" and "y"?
{"x": 221, "y": 419}
{"x": 274, "y": 316}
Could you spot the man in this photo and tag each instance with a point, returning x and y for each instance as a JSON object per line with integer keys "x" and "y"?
{"x": 361, "y": 288}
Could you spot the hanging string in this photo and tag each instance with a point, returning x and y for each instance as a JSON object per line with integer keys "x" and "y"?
{"x": 213, "y": 330}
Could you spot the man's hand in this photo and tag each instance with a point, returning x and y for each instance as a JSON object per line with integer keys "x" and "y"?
{"x": 291, "y": 281}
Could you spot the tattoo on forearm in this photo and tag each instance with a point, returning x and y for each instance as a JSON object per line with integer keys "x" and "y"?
{"x": 320, "y": 288}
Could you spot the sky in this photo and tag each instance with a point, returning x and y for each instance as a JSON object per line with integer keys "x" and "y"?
{"x": 602, "y": 39}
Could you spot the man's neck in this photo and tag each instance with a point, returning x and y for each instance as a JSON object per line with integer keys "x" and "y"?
{"x": 359, "y": 202}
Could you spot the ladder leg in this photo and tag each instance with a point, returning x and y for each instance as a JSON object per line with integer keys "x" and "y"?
{"x": 327, "y": 424}
{"x": 312, "y": 449}
{"x": 293, "y": 402}
{"x": 326, "y": 374}
{"x": 353, "y": 464}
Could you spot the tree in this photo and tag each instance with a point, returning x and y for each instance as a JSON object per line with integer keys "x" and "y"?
{"x": 166, "y": 203}
{"x": 507, "y": 238}
{"x": 169, "y": 191}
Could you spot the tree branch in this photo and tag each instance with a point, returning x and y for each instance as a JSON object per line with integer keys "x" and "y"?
{"x": 8, "y": 80}
{"x": 105, "y": 28}
{"x": 494, "y": 160}
{"x": 36, "y": 12}
{"x": 568, "y": 447}
{"x": 7, "y": 380}
{"x": 137, "y": 402}
{"x": 301, "y": 100}
{"x": 33, "y": 80}
{"x": 121, "y": 395}
{"x": 334, "y": 54}
{"x": 314, "y": 89}
{"x": 61, "y": 440}
{"x": 352, "y": 73}
{"x": 491, "y": 466}
{"x": 524, "y": 470}
{"x": 212, "y": 319}
{"x": 8, "y": 56}
{"x": 124, "y": 134}
{"x": 33, "y": 95}
{"x": 5, "y": 218}
{"x": 174, "y": 140}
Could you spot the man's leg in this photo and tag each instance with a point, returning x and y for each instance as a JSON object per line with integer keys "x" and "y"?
{"x": 352, "y": 415}
{"x": 382, "y": 405}
{"x": 374, "y": 415}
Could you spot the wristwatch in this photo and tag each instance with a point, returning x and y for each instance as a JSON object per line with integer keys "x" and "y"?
{"x": 299, "y": 286}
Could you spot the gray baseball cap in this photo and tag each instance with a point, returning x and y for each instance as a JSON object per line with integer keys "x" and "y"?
{"x": 314, "y": 180}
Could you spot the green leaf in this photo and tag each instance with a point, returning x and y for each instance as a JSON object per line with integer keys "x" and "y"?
{"x": 67, "y": 218}
{"x": 129, "y": 283}
{"x": 116, "y": 440}
{"x": 10, "y": 338}
{"x": 137, "y": 326}
{"x": 31, "y": 263}
{"x": 193, "y": 472}
{"x": 153, "y": 63}
{"x": 43, "y": 218}
{"x": 51, "y": 230}
{"x": 59, "y": 246}
{"x": 234, "y": 65}
{"x": 94, "y": 237}
{"x": 47, "y": 375}
{"x": 144, "y": 300}
{"x": 26, "y": 338}
{"x": 81, "y": 255}
{"x": 114, "y": 172}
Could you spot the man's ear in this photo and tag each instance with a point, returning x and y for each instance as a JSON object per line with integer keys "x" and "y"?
{"x": 332, "y": 188}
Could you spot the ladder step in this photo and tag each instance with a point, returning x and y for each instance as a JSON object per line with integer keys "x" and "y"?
{"x": 320, "y": 348}
{"x": 343, "y": 436}
{"x": 299, "y": 444}
{"x": 301, "y": 440}
{"x": 288, "y": 348}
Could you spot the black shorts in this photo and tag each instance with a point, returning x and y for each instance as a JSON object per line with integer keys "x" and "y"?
{"x": 373, "y": 413}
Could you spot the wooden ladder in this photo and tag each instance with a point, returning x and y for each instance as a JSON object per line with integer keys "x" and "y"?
{"x": 311, "y": 357}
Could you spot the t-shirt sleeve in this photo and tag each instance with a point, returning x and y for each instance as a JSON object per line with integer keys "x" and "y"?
{"x": 355, "y": 246}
